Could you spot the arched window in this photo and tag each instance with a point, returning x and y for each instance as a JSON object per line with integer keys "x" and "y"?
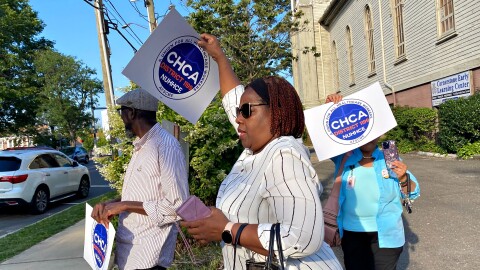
{"x": 446, "y": 22}
{"x": 369, "y": 37}
{"x": 350, "y": 55}
{"x": 336, "y": 81}
{"x": 398, "y": 29}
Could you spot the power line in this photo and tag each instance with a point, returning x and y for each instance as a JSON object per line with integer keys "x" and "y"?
{"x": 135, "y": 36}
{"x": 90, "y": 4}
{"x": 138, "y": 11}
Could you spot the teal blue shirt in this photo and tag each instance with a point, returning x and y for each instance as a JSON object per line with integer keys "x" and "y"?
{"x": 389, "y": 216}
{"x": 361, "y": 200}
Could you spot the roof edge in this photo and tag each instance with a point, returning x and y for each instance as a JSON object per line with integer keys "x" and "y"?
{"x": 331, "y": 12}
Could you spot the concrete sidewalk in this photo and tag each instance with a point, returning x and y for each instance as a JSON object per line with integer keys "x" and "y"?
{"x": 61, "y": 251}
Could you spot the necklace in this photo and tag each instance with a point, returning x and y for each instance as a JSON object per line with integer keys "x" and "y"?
{"x": 370, "y": 157}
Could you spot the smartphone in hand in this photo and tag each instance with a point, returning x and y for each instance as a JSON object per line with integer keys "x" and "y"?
{"x": 192, "y": 209}
{"x": 390, "y": 152}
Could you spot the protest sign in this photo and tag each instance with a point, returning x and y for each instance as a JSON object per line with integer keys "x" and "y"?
{"x": 356, "y": 120}
{"x": 172, "y": 68}
{"x": 98, "y": 242}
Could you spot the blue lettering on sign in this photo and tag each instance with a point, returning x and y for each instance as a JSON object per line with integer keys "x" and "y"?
{"x": 100, "y": 244}
{"x": 349, "y": 121}
{"x": 181, "y": 69}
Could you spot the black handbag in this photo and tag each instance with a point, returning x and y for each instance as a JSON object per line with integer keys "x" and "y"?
{"x": 270, "y": 264}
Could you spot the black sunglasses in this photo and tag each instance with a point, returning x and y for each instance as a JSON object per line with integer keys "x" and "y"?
{"x": 246, "y": 109}
{"x": 119, "y": 110}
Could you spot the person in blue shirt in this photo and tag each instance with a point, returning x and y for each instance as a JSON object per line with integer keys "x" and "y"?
{"x": 370, "y": 206}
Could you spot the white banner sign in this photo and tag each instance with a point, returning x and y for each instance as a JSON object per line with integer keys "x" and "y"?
{"x": 98, "y": 242}
{"x": 451, "y": 87}
{"x": 358, "y": 119}
{"x": 172, "y": 68}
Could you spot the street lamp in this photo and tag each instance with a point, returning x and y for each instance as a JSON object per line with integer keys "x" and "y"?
{"x": 128, "y": 25}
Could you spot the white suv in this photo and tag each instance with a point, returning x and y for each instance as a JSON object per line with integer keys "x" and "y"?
{"x": 37, "y": 176}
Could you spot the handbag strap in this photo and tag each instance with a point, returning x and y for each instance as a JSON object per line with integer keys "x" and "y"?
{"x": 279, "y": 246}
{"x": 338, "y": 178}
{"x": 187, "y": 245}
{"x": 237, "y": 242}
{"x": 271, "y": 253}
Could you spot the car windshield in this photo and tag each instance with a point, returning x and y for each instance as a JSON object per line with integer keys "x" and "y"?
{"x": 68, "y": 150}
{"x": 8, "y": 164}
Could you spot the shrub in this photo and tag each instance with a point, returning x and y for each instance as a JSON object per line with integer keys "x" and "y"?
{"x": 416, "y": 128}
{"x": 469, "y": 150}
{"x": 459, "y": 122}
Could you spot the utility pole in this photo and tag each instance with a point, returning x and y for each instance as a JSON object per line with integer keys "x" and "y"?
{"x": 102, "y": 30}
{"x": 152, "y": 21}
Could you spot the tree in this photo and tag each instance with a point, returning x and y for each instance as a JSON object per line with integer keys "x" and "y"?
{"x": 254, "y": 34}
{"x": 19, "y": 88}
{"x": 68, "y": 91}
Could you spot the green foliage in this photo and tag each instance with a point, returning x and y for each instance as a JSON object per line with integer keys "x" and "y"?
{"x": 68, "y": 91}
{"x": 459, "y": 122}
{"x": 254, "y": 34}
{"x": 208, "y": 257}
{"x": 19, "y": 88}
{"x": 113, "y": 167}
{"x": 469, "y": 150}
{"x": 88, "y": 142}
{"x": 101, "y": 139}
{"x": 415, "y": 129}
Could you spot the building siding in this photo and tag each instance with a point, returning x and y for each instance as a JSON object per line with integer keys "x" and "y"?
{"x": 427, "y": 57}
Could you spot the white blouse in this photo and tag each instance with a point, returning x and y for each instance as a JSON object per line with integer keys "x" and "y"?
{"x": 280, "y": 185}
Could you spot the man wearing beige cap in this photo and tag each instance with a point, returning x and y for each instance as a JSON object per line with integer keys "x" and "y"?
{"x": 155, "y": 185}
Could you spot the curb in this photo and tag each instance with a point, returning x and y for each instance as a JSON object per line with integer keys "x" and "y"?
{"x": 430, "y": 154}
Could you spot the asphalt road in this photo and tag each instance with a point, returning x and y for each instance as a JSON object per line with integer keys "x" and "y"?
{"x": 443, "y": 230}
{"x": 15, "y": 218}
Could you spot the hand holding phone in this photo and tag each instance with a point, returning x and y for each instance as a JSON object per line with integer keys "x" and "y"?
{"x": 192, "y": 209}
{"x": 390, "y": 152}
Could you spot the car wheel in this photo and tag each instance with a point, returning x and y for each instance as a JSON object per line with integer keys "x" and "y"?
{"x": 86, "y": 159}
{"x": 84, "y": 187}
{"x": 40, "y": 200}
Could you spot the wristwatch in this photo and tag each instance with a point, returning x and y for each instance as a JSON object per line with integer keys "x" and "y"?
{"x": 227, "y": 237}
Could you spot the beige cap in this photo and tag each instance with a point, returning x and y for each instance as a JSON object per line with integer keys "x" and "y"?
{"x": 139, "y": 99}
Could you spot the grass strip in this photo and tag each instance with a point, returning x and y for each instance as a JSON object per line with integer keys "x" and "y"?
{"x": 29, "y": 236}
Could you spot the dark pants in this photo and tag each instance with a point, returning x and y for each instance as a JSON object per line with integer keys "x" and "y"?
{"x": 155, "y": 268}
{"x": 361, "y": 251}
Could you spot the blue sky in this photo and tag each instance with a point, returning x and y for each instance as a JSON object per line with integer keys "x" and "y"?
{"x": 71, "y": 25}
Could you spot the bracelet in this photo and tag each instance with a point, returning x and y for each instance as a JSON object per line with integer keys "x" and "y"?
{"x": 239, "y": 232}
{"x": 404, "y": 183}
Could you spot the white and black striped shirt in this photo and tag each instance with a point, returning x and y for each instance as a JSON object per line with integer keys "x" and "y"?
{"x": 156, "y": 176}
{"x": 277, "y": 184}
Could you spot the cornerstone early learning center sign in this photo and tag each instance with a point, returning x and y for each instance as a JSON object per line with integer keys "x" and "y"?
{"x": 451, "y": 87}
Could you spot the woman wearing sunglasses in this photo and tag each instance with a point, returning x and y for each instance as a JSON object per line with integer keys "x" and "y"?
{"x": 273, "y": 180}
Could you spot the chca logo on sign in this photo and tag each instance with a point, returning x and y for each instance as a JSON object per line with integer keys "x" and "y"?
{"x": 181, "y": 68}
{"x": 349, "y": 121}
{"x": 100, "y": 244}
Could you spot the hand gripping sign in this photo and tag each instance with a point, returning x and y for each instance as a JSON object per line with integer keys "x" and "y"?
{"x": 174, "y": 69}
{"x": 356, "y": 120}
{"x": 98, "y": 242}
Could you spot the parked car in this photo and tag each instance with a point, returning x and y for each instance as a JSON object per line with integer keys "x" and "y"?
{"x": 76, "y": 153}
{"x": 39, "y": 176}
